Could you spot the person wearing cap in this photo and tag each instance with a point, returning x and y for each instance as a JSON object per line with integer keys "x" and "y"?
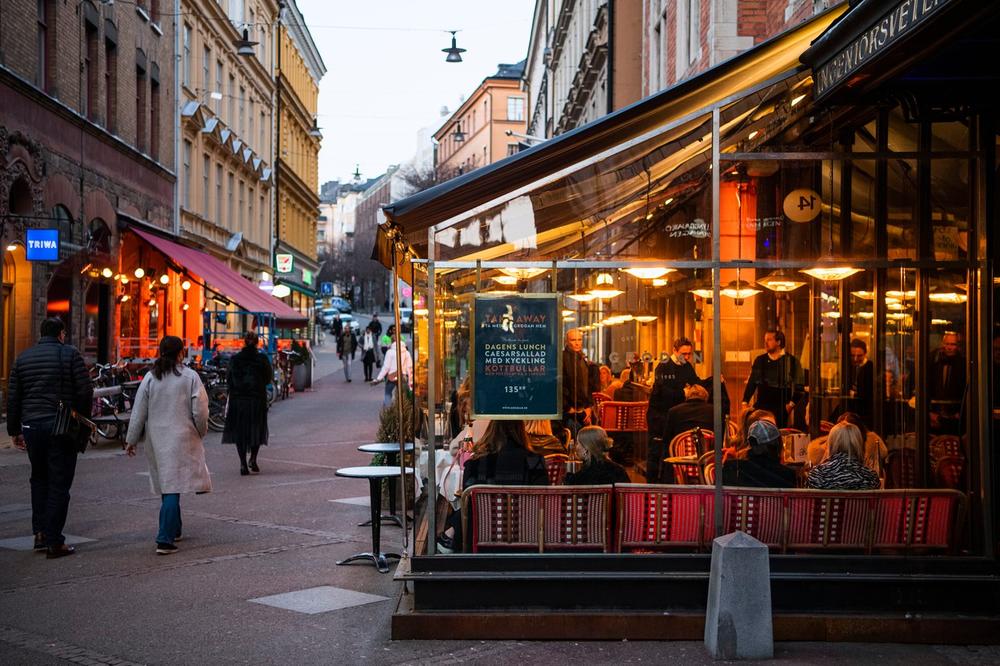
{"x": 762, "y": 467}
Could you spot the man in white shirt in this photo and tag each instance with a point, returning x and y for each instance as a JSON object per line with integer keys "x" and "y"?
{"x": 390, "y": 370}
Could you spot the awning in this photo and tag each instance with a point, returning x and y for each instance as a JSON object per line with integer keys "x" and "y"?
{"x": 222, "y": 279}
{"x": 452, "y": 200}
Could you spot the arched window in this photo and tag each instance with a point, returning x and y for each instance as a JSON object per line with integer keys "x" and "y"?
{"x": 98, "y": 237}
{"x": 63, "y": 221}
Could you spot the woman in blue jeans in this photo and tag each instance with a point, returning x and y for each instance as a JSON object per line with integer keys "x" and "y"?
{"x": 170, "y": 417}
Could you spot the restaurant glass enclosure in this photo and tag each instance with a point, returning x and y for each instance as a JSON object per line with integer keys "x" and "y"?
{"x": 861, "y": 236}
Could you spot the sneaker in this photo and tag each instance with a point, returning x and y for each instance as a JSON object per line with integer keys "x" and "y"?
{"x": 165, "y": 548}
{"x": 446, "y": 545}
{"x": 178, "y": 538}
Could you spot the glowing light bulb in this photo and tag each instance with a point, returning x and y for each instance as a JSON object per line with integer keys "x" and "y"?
{"x": 138, "y": 273}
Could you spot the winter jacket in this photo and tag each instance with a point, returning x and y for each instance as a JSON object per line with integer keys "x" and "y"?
{"x": 41, "y": 377}
{"x": 249, "y": 374}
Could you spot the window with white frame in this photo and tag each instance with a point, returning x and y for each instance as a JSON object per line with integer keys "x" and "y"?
{"x": 515, "y": 108}
{"x": 186, "y": 175}
{"x": 187, "y": 56}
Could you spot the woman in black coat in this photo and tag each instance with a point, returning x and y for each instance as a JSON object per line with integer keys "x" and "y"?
{"x": 246, "y": 418}
{"x": 592, "y": 445}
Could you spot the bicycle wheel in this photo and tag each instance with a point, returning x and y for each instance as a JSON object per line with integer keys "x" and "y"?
{"x": 218, "y": 397}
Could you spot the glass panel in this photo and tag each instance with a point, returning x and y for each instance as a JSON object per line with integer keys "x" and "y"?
{"x": 903, "y": 134}
{"x": 899, "y": 415}
{"x": 950, "y": 136}
{"x": 901, "y": 198}
{"x": 947, "y": 348}
{"x": 863, "y": 185}
{"x": 950, "y": 208}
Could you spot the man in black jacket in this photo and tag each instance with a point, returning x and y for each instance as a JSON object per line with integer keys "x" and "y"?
{"x": 776, "y": 378}
{"x": 694, "y": 412}
{"x": 43, "y": 376}
{"x": 577, "y": 384}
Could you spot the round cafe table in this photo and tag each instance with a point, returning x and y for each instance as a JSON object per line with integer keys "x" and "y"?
{"x": 374, "y": 476}
{"x": 391, "y": 451}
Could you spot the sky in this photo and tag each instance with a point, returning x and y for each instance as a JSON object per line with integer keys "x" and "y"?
{"x": 386, "y": 75}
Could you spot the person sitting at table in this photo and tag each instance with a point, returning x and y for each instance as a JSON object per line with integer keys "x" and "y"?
{"x": 739, "y": 449}
{"x": 844, "y": 467}
{"x": 875, "y": 450}
{"x": 541, "y": 440}
{"x": 632, "y": 389}
{"x": 597, "y": 469}
{"x": 762, "y": 467}
{"x": 694, "y": 412}
{"x": 504, "y": 458}
{"x": 605, "y": 379}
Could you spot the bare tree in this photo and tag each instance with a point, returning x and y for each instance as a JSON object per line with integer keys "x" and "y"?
{"x": 417, "y": 178}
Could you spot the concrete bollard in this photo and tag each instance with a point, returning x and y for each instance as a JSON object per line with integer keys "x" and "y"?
{"x": 738, "y": 619}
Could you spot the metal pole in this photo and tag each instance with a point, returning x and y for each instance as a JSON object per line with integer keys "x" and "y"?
{"x": 431, "y": 400}
{"x": 720, "y": 431}
{"x": 399, "y": 398}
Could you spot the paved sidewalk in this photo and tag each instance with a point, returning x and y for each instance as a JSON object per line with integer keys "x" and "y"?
{"x": 255, "y": 580}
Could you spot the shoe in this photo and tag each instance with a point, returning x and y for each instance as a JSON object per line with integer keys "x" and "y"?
{"x": 253, "y": 467}
{"x": 178, "y": 538}
{"x": 165, "y": 548}
{"x": 244, "y": 471}
{"x": 446, "y": 545}
{"x": 55, "y": 552}
{"x": 39, "y": 542}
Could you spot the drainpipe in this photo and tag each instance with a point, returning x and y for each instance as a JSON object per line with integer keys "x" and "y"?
{"x": 177, "y": 121}
{"x": 610, "y": 60}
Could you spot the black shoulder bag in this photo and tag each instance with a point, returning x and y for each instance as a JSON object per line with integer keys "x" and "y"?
{"x": 69, "y": 423}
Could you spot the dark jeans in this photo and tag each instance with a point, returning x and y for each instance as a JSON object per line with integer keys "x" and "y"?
{"x": 53, "y": 465}
{"x": 369, "y": 364}
{"x": 170, "y": 518}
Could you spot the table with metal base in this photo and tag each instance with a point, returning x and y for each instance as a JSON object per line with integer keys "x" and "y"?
{"x": 391, "y": 451}
{"x": 374, "y": 476}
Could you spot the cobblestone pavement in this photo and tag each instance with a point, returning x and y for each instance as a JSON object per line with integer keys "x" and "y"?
{"x": 255, "y": 580}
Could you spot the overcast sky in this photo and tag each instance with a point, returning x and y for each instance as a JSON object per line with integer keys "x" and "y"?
{"x": 386, "y": 75}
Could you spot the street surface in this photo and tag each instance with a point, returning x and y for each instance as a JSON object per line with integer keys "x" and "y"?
{"x": 116, "y": 601}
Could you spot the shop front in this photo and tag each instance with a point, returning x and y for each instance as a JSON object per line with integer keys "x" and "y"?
{"x": 764, "y": 214}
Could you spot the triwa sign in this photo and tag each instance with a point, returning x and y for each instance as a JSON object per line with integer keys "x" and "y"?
{"x": 515, "y": 356}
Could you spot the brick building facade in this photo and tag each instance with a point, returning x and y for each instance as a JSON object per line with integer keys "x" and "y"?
{"x": 86, "y": 144}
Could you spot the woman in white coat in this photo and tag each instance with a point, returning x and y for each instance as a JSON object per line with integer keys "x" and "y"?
{"x": 170, "y": 416}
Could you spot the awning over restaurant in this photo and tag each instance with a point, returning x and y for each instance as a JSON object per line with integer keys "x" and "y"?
{"x": 631, "y": 129}
{"x": 222, "y": 279}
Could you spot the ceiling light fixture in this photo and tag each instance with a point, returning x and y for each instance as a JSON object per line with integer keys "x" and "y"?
{"x": 781, "y": 281}
{"x": 831, "y": 273}
{"x": 739, "y": 290}
{"x": 649, "y": 272}
{"x": 523, "y": 273}
{"x": 507, "y": 280}
{"x": 605, "y": 287}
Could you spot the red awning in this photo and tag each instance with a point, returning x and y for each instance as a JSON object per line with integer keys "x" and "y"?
{"x": 224, "y": 280}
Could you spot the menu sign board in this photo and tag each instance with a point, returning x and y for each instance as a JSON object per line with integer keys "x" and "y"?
{"x": 516, "y": 359}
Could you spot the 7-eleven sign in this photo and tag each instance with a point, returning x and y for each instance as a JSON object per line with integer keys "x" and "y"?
{"x": 283, "y": 263}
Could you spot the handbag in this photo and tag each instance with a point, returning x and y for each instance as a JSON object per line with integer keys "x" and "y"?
{"x": 69, "y": 423}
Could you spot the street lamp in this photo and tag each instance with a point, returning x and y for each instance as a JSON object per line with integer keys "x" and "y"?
{"x": 458, "y": 136}
{"x": 245, "y": 47}
{"x": 454, "y": 53}
{"x": 314, "y": 132}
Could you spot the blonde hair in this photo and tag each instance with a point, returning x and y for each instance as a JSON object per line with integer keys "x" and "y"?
{"x": 538, "y": 427}
{"x": 845, "y": 438}
{"x": 696, "y": 392}
{"x": 594, "y": 441}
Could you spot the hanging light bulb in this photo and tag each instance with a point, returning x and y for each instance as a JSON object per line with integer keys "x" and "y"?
{"x": 139, "y": 273}
{"x": 164, "y": 279}
{"x": 523, "y": 273}
{"x": 186, "y": 285}
{"x": 659, "y": 282}
{"x": 739, "y": 290}
{"x": 649, "y": 272}
{"x": 107, "y": 272}
{"x": 151, "y": 302}
{"x": 781, "y": 281}
{"x": 605, "y": 287}
{"x": 831, "y": 273}
{"x": 185, "y": 306}
{"x": 124, "y": 298}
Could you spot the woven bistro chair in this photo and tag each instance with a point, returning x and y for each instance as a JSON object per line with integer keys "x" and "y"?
{"x": 618, "y": 416}
{"x": 689, "y": 444}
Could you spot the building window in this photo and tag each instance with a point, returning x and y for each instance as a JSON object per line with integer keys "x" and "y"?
{"x": 231, "y": 208}
{"x": 154, "y": 11}
{"x": 243, "y": 109}
{"x": 46, "y": 45}
{"x": 261, "y": 145}
{"x": 187, "y": 56}
{"x": 250, "y": 218}
{"x": 263, "y": 218}
{"x": 186, "y": 176}
{"x": 140, "y": 109}
{"x": 692, "y": 34}
{"x": 110, "y": 85}
{"x": 231, "y": 118}
{"x": 515, "y": 108}
{"x": 206, "y": 69}
{"x": 513, "y": 149}
{"x": 206, "y": 177}
{"x": 154, "y": 119}
{"x": 239, "y": 214}
{"x": 250, "y": 132}
{"x": 218, "y": 81}
{"x": 88, "y": 101}
{"x": 218, "y": 194}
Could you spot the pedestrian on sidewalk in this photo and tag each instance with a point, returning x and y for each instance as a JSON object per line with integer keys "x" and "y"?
{"x": 391, "y": 370}
{"x": 347, "y": 346}
{"x": 368, "y": 353}
{"x": 43, "y": 376}
{"x": 246, "y": 418}
{"x": 170, "y": 418}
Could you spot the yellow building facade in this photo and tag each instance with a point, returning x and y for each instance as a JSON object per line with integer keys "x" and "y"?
{"x": 299, "y": 70}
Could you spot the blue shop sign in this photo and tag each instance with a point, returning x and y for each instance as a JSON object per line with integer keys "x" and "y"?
{"x": 42, "y": 244}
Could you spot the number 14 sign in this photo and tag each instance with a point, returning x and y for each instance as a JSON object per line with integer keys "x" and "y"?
{"x": 802, "y": 205}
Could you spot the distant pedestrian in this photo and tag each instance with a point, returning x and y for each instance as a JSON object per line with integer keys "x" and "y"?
{"x": 337, "y": 326}
{"x": 246, "y": 418}
{"x": 368, "y": 353}
{"x": 43, "y": 376}
{"x": 375, "y": 326}
{"x": 170, "y": 417}
{"x": 347, "y": 346}
{"x": 391, "y": 369}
